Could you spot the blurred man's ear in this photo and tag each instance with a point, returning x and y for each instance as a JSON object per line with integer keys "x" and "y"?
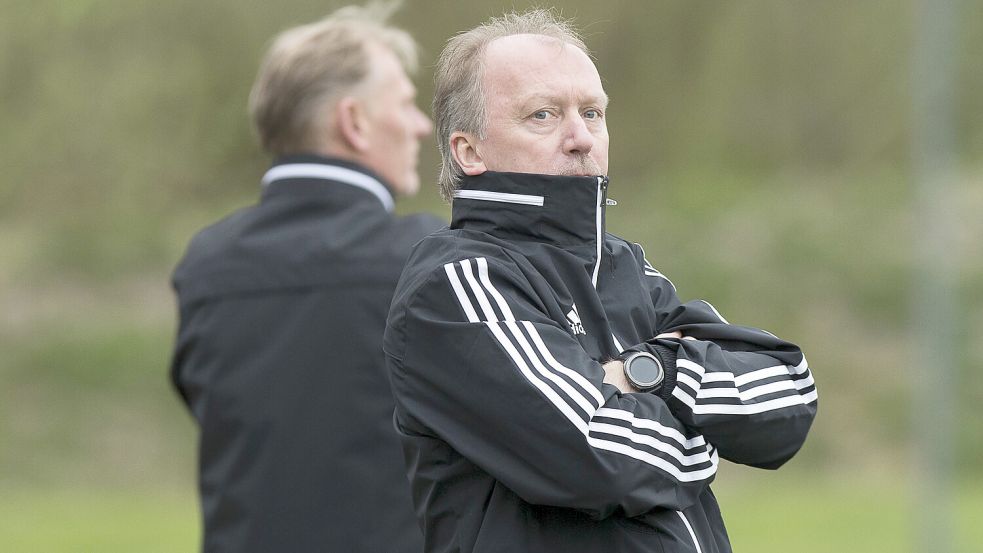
{"x": 352, "y": 123}
{"x": 464, "y": 150}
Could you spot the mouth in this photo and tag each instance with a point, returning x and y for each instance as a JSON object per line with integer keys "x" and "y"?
{"x": 581, "y": 173}
{"x": 582, "y": 166}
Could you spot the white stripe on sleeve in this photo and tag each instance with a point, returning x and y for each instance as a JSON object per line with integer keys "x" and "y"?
{"x": 462, "y": 296}
{"x": 692, "y": 376}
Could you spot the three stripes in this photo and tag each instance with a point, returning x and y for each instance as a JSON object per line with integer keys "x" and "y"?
{"x": 687, "y": 459}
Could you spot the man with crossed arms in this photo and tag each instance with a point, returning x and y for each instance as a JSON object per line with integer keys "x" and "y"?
{"x": 552, "y": 391}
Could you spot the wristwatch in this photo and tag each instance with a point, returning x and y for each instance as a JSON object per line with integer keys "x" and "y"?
{"x": 644, "y": 371}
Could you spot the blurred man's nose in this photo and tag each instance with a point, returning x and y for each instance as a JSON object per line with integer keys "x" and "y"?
{"x": 424, "y": 124}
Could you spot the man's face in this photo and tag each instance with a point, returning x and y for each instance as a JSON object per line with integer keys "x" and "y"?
{"x": 544, "y": 108}
{"x": 395, "y": 125}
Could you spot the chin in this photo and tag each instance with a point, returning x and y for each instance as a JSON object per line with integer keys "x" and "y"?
{"x": 409, "y": 188}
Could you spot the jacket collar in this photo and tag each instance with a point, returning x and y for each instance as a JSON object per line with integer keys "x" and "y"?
{"x": 559, "y": 210}
{"x": 314, "y": 168}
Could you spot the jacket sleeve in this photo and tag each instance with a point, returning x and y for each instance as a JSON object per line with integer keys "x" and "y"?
{"x": 750, "y": 393}
{"x": 475, "y": 360}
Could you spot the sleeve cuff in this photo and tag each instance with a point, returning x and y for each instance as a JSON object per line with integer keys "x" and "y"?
{"x": 668, "y": 358}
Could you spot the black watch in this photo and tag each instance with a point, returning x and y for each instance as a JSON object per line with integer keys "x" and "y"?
{"x": 644, "y": 371}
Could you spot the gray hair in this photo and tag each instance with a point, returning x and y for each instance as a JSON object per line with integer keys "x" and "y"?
{"x": 458, "y": 103}
{"x": 308, "y": 67}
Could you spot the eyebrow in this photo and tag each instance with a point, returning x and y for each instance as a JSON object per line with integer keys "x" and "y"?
{"x": 537, "y": 97}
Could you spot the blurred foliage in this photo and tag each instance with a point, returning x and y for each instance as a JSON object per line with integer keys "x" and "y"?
{"x": 760, "y": 153}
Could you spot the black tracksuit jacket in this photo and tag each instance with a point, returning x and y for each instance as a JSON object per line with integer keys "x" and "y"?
{"x": 279, "y": 358}
{"x": 495, "y": 341}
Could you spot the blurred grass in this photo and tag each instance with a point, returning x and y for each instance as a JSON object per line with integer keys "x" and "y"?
{"x": 800, "y": 512}
{"x": 765, "y": 513}
{"x": 98, "y": 521}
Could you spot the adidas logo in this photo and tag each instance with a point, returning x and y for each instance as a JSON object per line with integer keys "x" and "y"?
{"x": 574, "y": 319}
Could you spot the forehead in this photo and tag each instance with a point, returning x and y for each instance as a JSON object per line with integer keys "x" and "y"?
{"x": 518, "y": 67}
{"x": 386, "y": 72}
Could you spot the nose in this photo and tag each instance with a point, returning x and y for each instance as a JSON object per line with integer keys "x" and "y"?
{"x": 579, "y": 140}
{"x": 424, "y": 124}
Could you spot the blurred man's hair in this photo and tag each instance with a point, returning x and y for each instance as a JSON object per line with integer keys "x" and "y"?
{"x": 308, "y": 68}
{"x": 458, "y": 103}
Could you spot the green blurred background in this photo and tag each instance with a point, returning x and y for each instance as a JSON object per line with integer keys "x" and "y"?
{"x": 760, "y": 152}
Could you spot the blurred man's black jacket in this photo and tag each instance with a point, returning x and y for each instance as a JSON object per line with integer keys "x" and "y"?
{"x": 279, "y": 358}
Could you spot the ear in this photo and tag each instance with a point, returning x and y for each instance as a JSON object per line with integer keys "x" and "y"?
{"x": 465, "y": 152}
{"x": 352, "y": 123}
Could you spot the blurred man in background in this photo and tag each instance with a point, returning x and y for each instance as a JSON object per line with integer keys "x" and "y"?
{"x": 283, "y": 304}
{"x": 526, "y": 422}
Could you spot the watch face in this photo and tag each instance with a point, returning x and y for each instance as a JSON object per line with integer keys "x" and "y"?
{"x": 645, "y": 370}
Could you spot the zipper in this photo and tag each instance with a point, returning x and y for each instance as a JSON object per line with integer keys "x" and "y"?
{"x": 602, "y": 189}
{"x": 692, "y": 534}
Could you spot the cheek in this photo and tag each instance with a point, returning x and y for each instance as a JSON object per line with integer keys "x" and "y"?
{"x": 602, "y": 145}
{"x": 602, "y": 140}
{"x": 411, "y": 131}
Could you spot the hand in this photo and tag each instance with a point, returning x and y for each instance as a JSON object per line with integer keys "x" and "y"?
{"x": 674, "y": 334}
{"x": 614, "y": 373}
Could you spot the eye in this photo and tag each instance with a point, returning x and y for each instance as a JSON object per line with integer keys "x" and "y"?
{"x": 592, "y": 114}
{"x": 541, "y": 114}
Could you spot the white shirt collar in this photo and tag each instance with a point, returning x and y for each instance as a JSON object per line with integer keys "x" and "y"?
{"x": 334, "y": 173}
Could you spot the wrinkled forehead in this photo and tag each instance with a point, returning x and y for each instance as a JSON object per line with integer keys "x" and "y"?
{"x": 520, "y": 65}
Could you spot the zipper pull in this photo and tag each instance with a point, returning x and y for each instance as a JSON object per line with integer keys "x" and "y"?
{"x": 611, "y": 202}
{"x": 602, "y": 190}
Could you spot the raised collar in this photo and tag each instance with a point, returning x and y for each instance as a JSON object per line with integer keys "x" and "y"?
{"x": 309, "y": 167}
{"x": 560, "y": 210}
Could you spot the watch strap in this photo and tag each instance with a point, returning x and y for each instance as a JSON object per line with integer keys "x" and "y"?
{"x": 668, "y": 358}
